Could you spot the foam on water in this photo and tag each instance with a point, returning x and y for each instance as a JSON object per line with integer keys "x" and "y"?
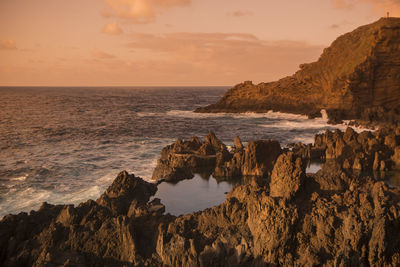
{"x": 306, "y": 128}
{"x": 66, "y": 145}
{"x": 20, "y": 178}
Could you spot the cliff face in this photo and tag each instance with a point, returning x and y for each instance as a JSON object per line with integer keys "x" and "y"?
{"x": 360, "y": 70}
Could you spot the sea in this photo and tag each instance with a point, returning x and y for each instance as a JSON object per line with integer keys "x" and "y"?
{"x": 65, "y": 145}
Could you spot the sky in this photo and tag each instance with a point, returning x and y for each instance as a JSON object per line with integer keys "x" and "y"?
{"x": 170, "y": 42}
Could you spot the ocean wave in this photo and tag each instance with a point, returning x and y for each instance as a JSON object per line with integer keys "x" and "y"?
{"x": 245, "y": 115}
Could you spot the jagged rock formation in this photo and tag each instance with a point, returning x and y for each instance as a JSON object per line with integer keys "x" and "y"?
{"x": 327, "y": 219}
{"x": 184, "y": 158}
{"x": 108, "y": 232}
{"x": 367, "y": 151}
{"x": 357, "y": 77}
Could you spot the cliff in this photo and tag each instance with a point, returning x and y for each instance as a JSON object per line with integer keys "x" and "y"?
{"x": 357, "y": 77}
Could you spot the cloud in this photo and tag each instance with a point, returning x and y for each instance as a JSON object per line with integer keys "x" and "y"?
{"x": 112, "y": 29}
{"x": 140, "y": 11}
{"x": 339, "y": 25}
{"x": 231, "y": 57}
{"x": 7, "y": 44}
{"x": 392, "y": 6}
{"x": 102, "y": 55}
{"x": 241, "y": 13}
{"x": 343, "y": 4}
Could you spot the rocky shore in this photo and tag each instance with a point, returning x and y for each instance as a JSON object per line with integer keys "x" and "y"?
{"x": 279, "y": 215}
{"x": 356, "y": 78}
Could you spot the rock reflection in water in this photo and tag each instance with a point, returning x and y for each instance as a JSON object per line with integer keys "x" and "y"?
{"x": 187, "y": 196}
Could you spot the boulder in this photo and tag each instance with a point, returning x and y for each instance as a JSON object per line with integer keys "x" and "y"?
{"x": 287, "y": 176}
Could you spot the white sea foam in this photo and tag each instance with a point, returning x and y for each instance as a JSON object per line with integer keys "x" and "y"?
{"x": 302, "y": 123}
{"x": 19, "y": 178}
{"x": 245, "y": 115}
{"x": 148, "y": 114}
{"x": 191, "y": 114}
{"x": 31, "y": 198}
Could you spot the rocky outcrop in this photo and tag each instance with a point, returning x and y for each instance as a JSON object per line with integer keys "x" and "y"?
{"x": 355, "y": 78}
{"x": 107, "y": 232}
{"x": 184, "y": 158}
{"x": 327, "y": 219}
{"x": 287, "y": 177}
{"x": 366, "y": 151}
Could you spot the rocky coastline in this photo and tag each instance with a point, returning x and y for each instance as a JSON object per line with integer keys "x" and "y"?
{"x": 279, "y": 215}
{"x": 356, "y": 78}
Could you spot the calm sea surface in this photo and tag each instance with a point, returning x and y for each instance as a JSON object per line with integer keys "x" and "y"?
{"x": 65, "y": 145}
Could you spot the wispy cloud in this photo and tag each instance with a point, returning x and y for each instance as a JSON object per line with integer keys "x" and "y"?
{"x": 7, "y": 44}
{"x": 343, "y": 4}
{"x": 241, "y": 13}
{"x": 230, "y": 56}
{"x": 98, "y": 54}
{"x": 339, "y": 25}
{"x": 140, "y": 11}
{"x": 392, "y": 6}
{"x": 112, "y": 29}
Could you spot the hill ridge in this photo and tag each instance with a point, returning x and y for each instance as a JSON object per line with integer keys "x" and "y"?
{"x": 356, "y": 77}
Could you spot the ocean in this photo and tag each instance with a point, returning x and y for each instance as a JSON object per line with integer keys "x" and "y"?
{"x": 66, "y": 145}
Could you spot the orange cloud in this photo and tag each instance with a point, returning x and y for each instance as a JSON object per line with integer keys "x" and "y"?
{"x": 227, "y": 56}
{"x": 241, "y": 13}
{"x": 392, "y": 6}
{"x": 343, "y": 4}
{"x": 140, "y": 11}
{"x": 7, "y": 44}
{"x": 102, "y": 55}
{"x": 112, "y": 29}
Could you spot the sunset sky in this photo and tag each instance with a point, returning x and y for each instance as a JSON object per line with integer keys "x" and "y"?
{"x": 170, "y": 42}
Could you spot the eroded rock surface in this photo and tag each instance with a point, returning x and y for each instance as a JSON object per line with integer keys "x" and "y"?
{"x": 184, "y": 158}
{"x": 365, "y": 151}
{"x": 328, "y": 219}
{"x": 355, "y": 78}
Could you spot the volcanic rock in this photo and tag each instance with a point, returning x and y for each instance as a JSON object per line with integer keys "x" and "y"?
{"x": 355, "y": 78}
{"x": 326, "y": 219}
{"x": 366, "y": 151}
{"x": 287, "y": 176}
{"x": 182, "y": 159}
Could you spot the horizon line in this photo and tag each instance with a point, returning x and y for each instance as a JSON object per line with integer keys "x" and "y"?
{"x": 106, "y": 86}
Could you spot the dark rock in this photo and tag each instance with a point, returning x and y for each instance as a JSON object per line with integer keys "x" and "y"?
{"x": 366, "y": 151}
{"x": 332, "y": 178}
{"x": 256, "y": 159}
{"x": 287, "y": 176}
{"x": 362, "y": 85}
{"x": 396, "y": 158}
{"x": 181, "y": 160}
{"x": 325, "y": 219}
{"x": 259, "y": 157}
{"x": 125, "y": 189}
{"x": 238, "y": 144}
